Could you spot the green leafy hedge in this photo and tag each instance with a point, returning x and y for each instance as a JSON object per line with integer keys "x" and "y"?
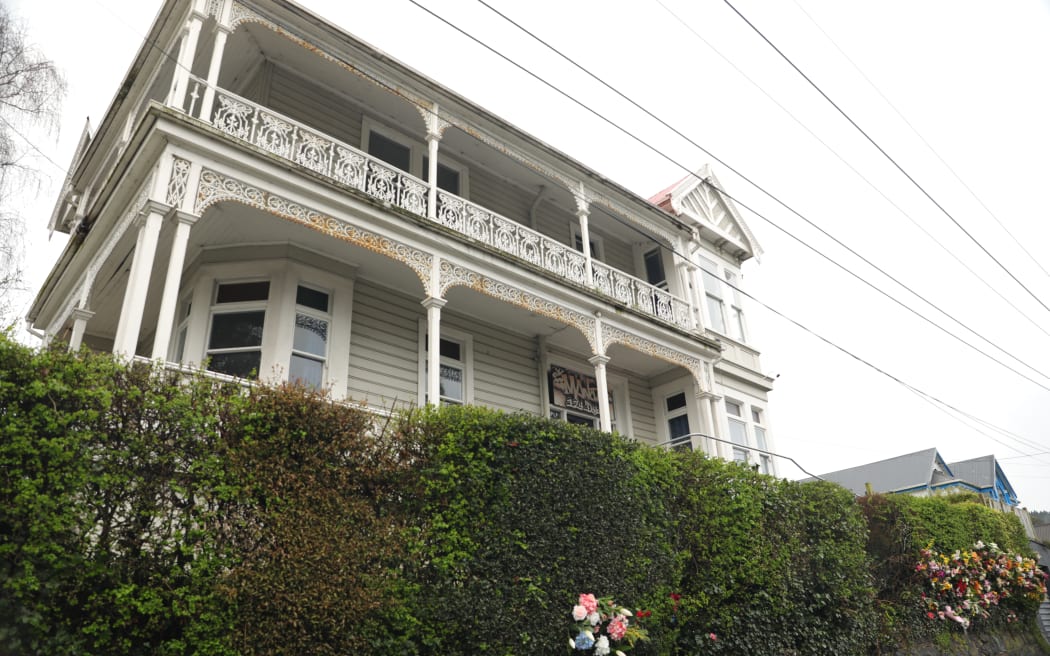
{"x": 146, "y": 513}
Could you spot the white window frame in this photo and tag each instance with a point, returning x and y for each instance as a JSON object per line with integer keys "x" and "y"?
{"x": 741, "y": 452}
{"x": 217, "y": 309}
{"x": 313, "y": 313}
{"x": 661, "y": 394}
{"x": 466, "y": 343}
{"x": 597, "y": 243}
{"x": 725, "y": 300}
{"x": 737, "y": 325}
{"x": 764, "y": 463}
{"x": 417, "y": 151}
{"x": 683, "y": 411}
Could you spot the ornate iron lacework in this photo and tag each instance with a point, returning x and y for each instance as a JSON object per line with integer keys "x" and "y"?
{"x": 613, "y": 335}
{"x": 455, "y": 275}
{"x": 180, "y": 175}
{"x": 436, "y": 125}
{"x": 215, "y": 187}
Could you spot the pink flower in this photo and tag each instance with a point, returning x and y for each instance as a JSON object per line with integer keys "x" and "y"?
{"x": 617, "y": 627}
{"x": 589, "y": 602}
{"x": 578, "y": 613}
{"x": 712, "y": 636}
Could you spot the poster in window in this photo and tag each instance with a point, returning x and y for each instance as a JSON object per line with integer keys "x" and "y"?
{"x": 574, "y": 391}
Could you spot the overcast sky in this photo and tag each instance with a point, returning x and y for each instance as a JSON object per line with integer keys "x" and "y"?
{"x": 969, "y": 79}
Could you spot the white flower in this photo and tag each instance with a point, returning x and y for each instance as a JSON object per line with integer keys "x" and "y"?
{"x": 625, "y": 612}
{"x": 601, "y": 646}
{"x": 594, "y": 618}
{"x": 578, "y": 613}
{"x": 620, "y": 653}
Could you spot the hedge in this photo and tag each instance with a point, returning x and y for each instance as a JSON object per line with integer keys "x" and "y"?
{"x": 143, "y": 512}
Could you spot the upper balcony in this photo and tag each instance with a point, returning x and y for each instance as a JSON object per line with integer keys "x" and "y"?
{"x": 346, "y": 165}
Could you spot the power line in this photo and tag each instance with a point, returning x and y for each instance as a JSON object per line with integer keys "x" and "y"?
{"x": 887, "y": 156}
{"x": 745, "y": 293}
{"x": 922, "y": 139}
{"x": 1017, "y": 359}
{"x": 852, "y": 168}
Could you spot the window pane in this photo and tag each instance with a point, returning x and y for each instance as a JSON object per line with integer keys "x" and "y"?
{"x": 676, "y": 401}
{"x": 238, "y": 292}
{"x": 714, "y": 310}
{"x": 243, "y": 364}
{"x": 678, "y": 426}
{"x": 654, "y": 269}
{"x": 739, "y": 455}
{"x": 767, "y": 464}
{"x": 236, "y": 329}
{"x": 756, "y": 415}
{"x": 308, "y": 371}
{"x": 311, "y": 335}
{"x": 448, "y": 177}
{"x": 579, "y": 420}
{"x": 712, "y": 285}
{"x": 389, "y": 151}
{"x": 451, "y": 382}
{"x": 733, "y": 408}
{"x": 737, "y": 323}
{"x": 760, "y": 438}
{"x": 311, "y": 298}
{"x": 451, "y": 350}
{"x": 738, "y": 432}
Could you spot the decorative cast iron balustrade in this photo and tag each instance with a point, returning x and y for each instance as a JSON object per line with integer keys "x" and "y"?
{"x": 641, "y": 295}
{"x": 345, "y": 164}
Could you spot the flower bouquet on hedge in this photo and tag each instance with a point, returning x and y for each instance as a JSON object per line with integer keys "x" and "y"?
{"x": 601, "y": 624}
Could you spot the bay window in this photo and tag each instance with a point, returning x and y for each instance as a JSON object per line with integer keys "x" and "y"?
{"x": 272, "y": 318}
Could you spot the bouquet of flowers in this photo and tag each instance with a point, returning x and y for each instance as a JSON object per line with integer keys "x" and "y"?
{"x": 969, "y": 583}
{"x": 600, "y": 623}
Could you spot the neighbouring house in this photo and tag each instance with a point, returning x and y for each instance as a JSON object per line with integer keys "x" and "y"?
{"x": 268, "y": 196}
{"x": 926, "y": 473}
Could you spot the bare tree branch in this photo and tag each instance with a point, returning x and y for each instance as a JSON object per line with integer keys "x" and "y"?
{"x": 31, "y": 90}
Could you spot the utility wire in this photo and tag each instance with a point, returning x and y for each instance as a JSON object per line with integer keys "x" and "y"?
{"x": 1017, "y": 359}
{"x": 741, "y": 291}
{"x": 921, "y": 138}
{"x": 887, "y": 156}
{"x": 732, "y": 286}
{"x": 860, "y": 175}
